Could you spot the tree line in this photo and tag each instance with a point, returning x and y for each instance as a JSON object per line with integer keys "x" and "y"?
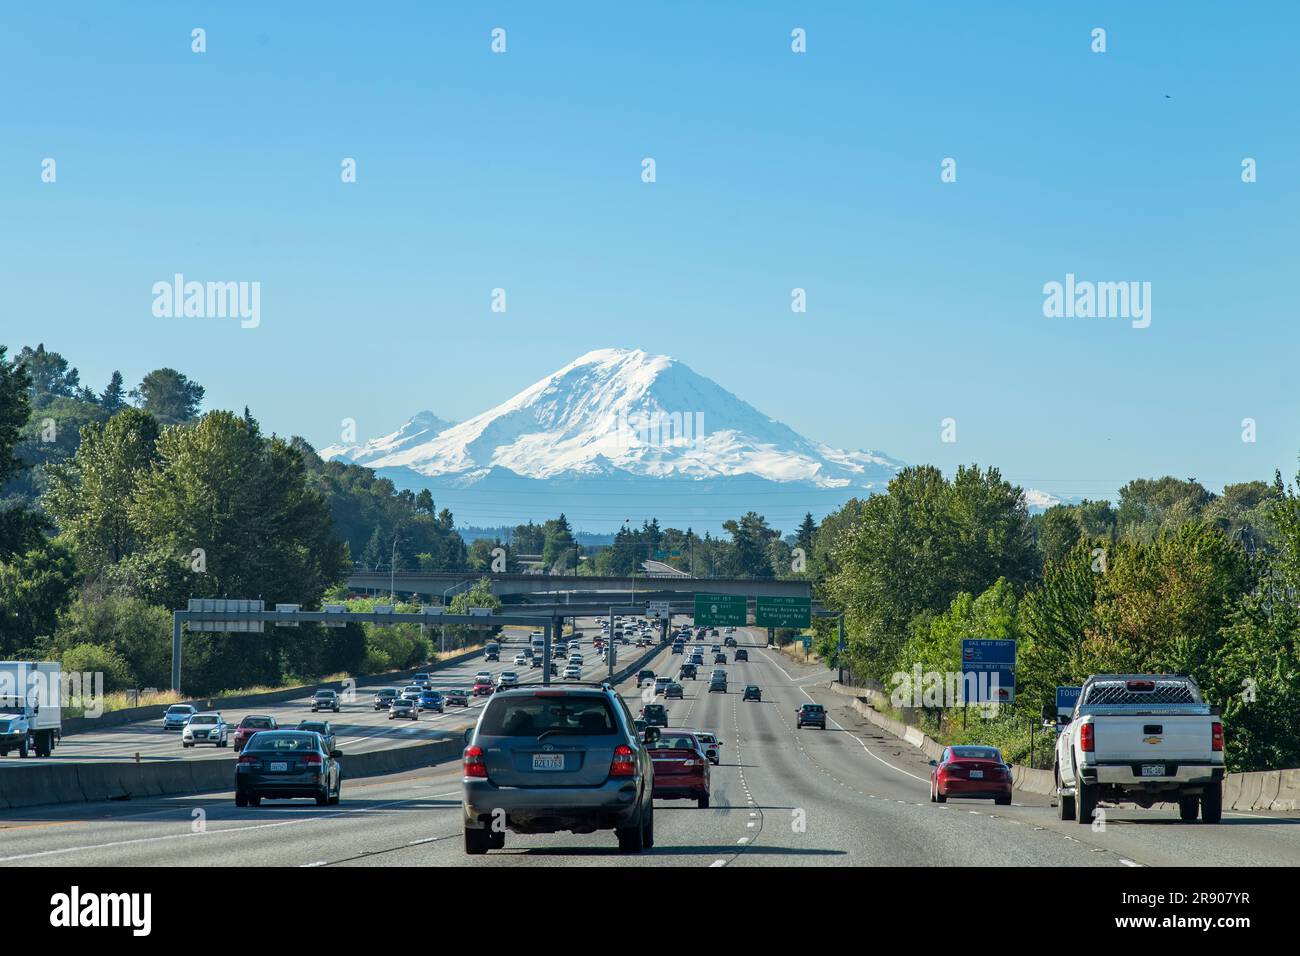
{"x": 1170, "y": 578}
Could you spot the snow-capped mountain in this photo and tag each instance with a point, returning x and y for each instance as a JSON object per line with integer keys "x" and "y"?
{"x": 618, "y": 434}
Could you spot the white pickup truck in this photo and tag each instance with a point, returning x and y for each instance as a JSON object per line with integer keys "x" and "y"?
{"x": 1143, "y": 738}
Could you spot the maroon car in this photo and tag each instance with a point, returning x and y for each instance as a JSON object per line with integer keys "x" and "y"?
{"x": 483, "y": 688}
{"x": 251, "y": 725}
{"x": 970, "y": 771}
{"x": 681, "y": 768}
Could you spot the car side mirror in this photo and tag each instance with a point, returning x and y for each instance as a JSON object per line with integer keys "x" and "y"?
{"x": 934, "y": 763}
{"x": 336, "y": 754}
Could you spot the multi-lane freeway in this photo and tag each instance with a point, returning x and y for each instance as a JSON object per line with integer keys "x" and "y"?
{"x": 358, "y": 726}
{"x": 849, "y": 795}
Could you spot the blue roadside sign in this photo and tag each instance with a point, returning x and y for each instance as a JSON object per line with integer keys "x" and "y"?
{"x": 989, "y": 662}
{"x": 1066, "y": 698}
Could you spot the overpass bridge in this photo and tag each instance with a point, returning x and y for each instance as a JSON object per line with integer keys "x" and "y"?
{"x": 573, "y": 586}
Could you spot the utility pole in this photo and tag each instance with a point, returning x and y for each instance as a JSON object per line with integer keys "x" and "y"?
{"x": 392, "y": 573}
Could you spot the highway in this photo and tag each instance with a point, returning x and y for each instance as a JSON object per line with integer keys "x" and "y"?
{"x": 849, "y": 795}
{"x": 358, "y": 726}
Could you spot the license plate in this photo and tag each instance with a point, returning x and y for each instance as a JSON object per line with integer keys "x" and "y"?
{"x": 1153, "y": 770}
{"x": 977, "y": 774}
{"x": 279, "y": 765}
{"x": 548, "y": 761}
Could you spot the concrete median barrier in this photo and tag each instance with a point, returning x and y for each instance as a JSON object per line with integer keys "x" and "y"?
{"x": 117, "y": 780}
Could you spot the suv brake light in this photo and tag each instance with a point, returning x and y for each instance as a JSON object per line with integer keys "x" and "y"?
{"x": 1141, "y": 685}
{"x": 1087, "y": 740}
{"x": 624, "y": 764}
{"x": 474, "y": 765}
{"x": 1216, "y": 736}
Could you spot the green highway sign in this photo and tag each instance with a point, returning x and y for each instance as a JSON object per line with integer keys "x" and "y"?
{"x": 783, "y": 612}
{"x": 721, "y": 610}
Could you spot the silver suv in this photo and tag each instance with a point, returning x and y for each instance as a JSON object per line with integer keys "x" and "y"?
{"x": 548, "y": 759}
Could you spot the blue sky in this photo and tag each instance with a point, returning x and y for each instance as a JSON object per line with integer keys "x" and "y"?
{"x": 775, "y": 170}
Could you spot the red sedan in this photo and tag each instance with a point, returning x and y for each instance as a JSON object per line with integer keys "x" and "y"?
{"x": 251, "y": 725}
{"x": 970, "y": 772}
{"x": 483, "y": 688}
{"x": 681, "y": 768}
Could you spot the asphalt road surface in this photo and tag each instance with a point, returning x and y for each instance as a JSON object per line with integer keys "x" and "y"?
{"x": 849, "y": 795}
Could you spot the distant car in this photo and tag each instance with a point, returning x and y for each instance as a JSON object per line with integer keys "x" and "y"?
{"x": 177, "y": 715}
{"x": 969, "y": 771}
{"x": 655, "y": 715}
{"x": 715, "y": 648}
{"x": 412, "y": 693}
{"x": 483, "y": 687}
{"x": 644, "y": 676}
{"x": 673, "y": 691}
{"x": 713, "y": 632}
{"x": 729, "y": 642}
{"x": 752, "y": 692}
{"x": 457, "y": 698}
{"x": 572, "y": 672}
{"x": 251, "y": 725}
{"x": 681, "y": 768}
{"x": 814, "y": 715}
{"x": 521, "y": 659}
{"x": 537, "y": 661}
{"x": 325, "y": 700}
{"x": 403, "y": 707}
{"x": 718, "y": 682}
{"x": 322, "y": 727}
{"x": 507, "y": 679}
{"x": 742, "y": 655}
{"x": 384, "y": 697}
{"x": 483, "y": 675}
{"x": 575, "y": 660}
{"x": 678, "y": 647}
{"x": 712, "y": 746}
{"x": 432, "y": 700}
{"x": 688, "y": 671}
{"x": 661, "y": 683}
{"x": 719, "y": 658}
{"x": 287, "y": 763}
{"x": 423, "y": 679}
{"x": 561, "y": 650}
{"x": 206, "y": 728}
{"x": 547, "y": 760}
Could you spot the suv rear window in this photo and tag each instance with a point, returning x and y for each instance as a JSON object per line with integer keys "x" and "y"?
{"x": 530, "y": 716}
{"x": 287, "y": 742}
{"x": 812, "y": 708}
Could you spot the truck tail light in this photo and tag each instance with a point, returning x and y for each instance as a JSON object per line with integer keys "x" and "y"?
{"x": 474, "y": 765}
{"x": 624, "y": 764}
{"x": 1087, "y": 738}
{"x": 1216, "y": 737}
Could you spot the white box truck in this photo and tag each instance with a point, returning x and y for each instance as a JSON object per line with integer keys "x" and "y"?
{"x": 31, "y": 710}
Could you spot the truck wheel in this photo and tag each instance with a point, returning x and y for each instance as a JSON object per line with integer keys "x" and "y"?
{"x": 1064, "y": 804}
{"x": 1188, "y": 807}
{"x": 1085, "y": 802}
{"x": 22, "y": 749}
{"x": 1212, "y": 803}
